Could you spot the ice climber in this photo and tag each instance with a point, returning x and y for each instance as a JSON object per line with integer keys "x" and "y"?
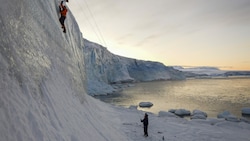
{"x": 145, "y": 124}
{"x": 63, "y": 10}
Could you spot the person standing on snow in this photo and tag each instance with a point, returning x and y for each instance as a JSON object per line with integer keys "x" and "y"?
{"x": 145, "y": 124}
{"x": 63, "y": 10}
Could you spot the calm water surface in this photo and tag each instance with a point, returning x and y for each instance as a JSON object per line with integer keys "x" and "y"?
{"x": 210, "y": 95}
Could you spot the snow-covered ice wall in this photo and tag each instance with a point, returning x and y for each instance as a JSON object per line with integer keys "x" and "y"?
{"x": 104, "y": 68}
{"x": 42, "y": 78}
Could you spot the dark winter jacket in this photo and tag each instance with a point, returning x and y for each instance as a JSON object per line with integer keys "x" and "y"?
{"x": 145, "y": 120}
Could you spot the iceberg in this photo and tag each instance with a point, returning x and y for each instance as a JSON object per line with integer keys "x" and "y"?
{"x": 197, "y": 114}
{"x": 145, "y": 104}
{"x": 245, "y": 111}
{"x": 166, "y": 114}
{"x": 182, "y": 112}
{"x": 223, "y": 114}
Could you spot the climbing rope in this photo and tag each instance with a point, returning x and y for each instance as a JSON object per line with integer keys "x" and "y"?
{"x": 93, "y": 24}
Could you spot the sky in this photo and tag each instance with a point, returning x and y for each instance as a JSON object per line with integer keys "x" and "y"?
{"x": 187, "y": 33}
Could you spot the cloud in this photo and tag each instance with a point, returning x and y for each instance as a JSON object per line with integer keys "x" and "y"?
{"x": 148, "y": 39}
{"x": 185, "y": 27}
{"x": 245, "y": 62}
{"x": 123, "y": 39}
{"x": 125, "y": 36}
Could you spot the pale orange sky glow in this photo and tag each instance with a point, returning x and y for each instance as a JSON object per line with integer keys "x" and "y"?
{"x": 212, "y": 33}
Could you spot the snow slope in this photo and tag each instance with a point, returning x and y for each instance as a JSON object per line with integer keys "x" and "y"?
{"x": 104, "y": 68}
{"x": 42, "y": 78}
{"x": 43, "y": 95}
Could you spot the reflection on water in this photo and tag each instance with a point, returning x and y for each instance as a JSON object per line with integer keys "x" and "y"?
{"x": 209, "y": 95}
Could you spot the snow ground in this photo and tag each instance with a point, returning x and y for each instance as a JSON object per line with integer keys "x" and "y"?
{"x": 179, "y": 129}
{"x": 43, "y": 95}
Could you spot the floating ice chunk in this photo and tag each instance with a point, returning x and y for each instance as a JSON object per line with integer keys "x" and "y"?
{"x": 198, "y": 117}
{"x": 197, "y": 114}
{"x": 232, "y": 118}
{"x": 172, "y": 110}
{"x": 228, "y": 116}
{"x": 245, "y": 111}
{"x": 166, "y": 114}
{"x": 182, "y": 112}
{"x": 223, "y": 114}
{"x": 145, "y": 104}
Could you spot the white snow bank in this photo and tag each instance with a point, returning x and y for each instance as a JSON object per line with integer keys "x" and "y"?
{"x": 180, "y": 129}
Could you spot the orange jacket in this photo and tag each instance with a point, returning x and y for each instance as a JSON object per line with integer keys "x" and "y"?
{"x": 63, "y": 11}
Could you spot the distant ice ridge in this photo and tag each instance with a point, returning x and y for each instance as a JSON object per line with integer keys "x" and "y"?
{"x": 104, "y": 68}
{"x": 210, "y": 72}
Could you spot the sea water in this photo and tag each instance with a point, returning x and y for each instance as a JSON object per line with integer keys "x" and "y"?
{"x": 209, "y": 95}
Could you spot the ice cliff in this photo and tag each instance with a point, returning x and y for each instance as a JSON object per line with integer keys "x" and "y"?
{"x": 104, "y": 68}
{"x": 42, "y": 78}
